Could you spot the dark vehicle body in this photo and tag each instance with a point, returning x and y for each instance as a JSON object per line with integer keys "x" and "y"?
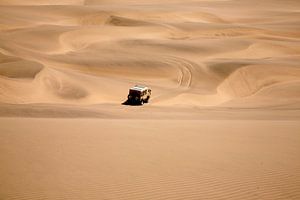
{"x": 138, "y": 95}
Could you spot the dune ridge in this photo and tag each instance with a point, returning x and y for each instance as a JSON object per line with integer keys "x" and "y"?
{"x": 173, "y": 45}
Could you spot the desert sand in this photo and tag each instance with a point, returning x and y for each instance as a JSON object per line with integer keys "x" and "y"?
{"x": 223, "y": 121}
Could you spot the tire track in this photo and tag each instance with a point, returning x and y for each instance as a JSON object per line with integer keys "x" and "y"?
{"x": 186, "y": 68}
{"x": 185, "y": 79}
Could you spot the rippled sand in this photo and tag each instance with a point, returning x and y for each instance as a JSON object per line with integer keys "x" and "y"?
{"x": 222, "y": 123}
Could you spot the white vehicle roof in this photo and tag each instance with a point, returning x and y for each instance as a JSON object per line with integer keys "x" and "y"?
{"x": 139, "y": 88}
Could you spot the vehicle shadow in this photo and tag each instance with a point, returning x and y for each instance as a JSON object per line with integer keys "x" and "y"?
{"x": 127, "y": 103}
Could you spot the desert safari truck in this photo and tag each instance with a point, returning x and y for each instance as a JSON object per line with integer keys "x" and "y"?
{"x": 139, "y": 95}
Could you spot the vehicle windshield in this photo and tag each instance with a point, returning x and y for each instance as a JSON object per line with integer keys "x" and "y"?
{"x": 134, "y": 92}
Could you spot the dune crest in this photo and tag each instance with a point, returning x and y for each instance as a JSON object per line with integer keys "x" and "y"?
{"x": 201, "y": 55}
{"x": 247, "y": 81}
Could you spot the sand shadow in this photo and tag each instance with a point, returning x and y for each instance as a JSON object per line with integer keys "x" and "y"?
{"x": 128, "y": 103}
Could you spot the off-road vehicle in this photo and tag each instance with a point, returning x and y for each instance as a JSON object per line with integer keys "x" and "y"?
{"x": 139, "y": 95}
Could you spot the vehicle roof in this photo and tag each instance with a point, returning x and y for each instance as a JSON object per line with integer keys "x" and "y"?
{"x": 139, "y": 88}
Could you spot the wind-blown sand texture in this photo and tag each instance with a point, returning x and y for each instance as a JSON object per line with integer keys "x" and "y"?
{"x": 223, "y": 121}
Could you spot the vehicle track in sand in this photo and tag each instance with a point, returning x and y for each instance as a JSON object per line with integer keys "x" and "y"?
{"x": 185, "y": 79}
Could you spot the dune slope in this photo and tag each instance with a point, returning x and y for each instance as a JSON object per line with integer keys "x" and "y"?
{"x": 180, "y": 50}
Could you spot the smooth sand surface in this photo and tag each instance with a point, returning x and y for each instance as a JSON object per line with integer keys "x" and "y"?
{"x": 222, "y": 122}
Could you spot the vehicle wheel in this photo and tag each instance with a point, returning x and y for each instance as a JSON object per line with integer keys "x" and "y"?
{"x": 147, "y": 100}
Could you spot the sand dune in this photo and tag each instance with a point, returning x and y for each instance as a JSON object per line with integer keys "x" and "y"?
{"x": 248, "y": 80}
{"x": 216, "y": 68}
{"x": 170, "y": 45}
